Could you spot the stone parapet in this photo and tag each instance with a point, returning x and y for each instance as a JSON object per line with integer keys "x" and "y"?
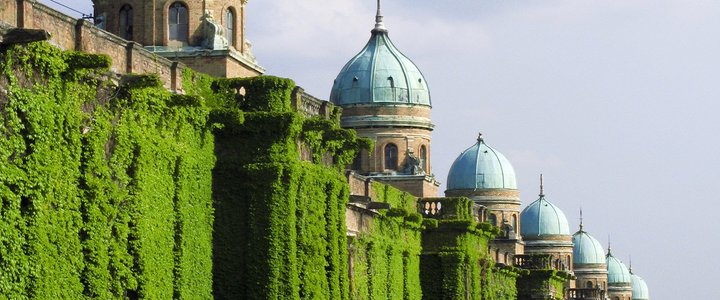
{"x": 69, "y": 33}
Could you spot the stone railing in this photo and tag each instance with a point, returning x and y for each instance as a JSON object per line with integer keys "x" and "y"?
{"x": 540, "y": 262}
{"x": 310, "y": 106}
{"x": 68, "y": 33}
{"x": 585, "y": 294}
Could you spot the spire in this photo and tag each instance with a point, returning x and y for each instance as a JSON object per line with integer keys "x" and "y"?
{"x": 379, "y": 25}
{"x": 581, "y": 219}
{"x": 542, "y": 192}
{"x": 630, "y": 269}
{"x": 609, "y": 248}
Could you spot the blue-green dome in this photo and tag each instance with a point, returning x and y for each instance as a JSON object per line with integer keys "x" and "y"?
{"x": 586, "y": 249}
{"x": 481, "y": 167}
{"x": 639, "y": 288}
{"x": 380, "y": 74}
{"x": 543, "y": 218}
{"x": 617, "y": 271}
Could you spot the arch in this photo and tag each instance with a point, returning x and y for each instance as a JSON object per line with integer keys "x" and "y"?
{"x": 423, "y": 158}
{"x": 515, "y": 223}
{"x": 230, "y": 25}
{"x": 506, "y": 258}
{"x": 589, "y": 284}
{"x": 497, "y": 255}
{"x": 178, "y": 22}
{"x": 391, "y": 156}
{"x": 125, "y": 28}
{"x": 492, "y": 219}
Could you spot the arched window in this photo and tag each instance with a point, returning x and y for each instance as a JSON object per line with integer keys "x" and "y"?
{"x": 497, "y": 255}
{"x": 492, "y": 219}
{"x": 423, "y": 158}
{"x": 589, "y": 284}
{"x": 391, "y": 157}
{"x": 506, "y": 258}
{"x": 126, "y": 22}
{"x": 178, "y": 22}
{"x": 229, "y": 25}
{"x": 515, "y": 223}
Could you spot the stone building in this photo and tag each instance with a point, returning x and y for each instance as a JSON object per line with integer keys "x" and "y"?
{"x": 590, "y": 265}
{"x": 206, "y": 35}
{"x": 620, "y": 285}
{"x": 385, "y": 97}
{"x": 484, "y": 175}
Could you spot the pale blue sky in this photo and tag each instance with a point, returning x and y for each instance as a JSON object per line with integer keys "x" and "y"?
{"x": 615, "y": 102}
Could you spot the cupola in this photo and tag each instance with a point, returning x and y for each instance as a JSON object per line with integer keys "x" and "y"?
{"x": 542, "y": 218}
{"x": 586, "y": 249}
{"x": 639, "y": 288}
{"x": 618, "y": 273}
{"x": 481, "y": 167}
{"x": 380, "y": 75}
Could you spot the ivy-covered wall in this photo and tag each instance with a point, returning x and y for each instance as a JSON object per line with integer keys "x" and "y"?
{"x": 280, "y": 221}
{"x": 455, "y": 263}
{"x": 385, "y": 259}
{"x": 105, "y": 189}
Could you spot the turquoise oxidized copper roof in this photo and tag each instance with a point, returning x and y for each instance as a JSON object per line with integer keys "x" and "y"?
{"x": 586, "y": 249}
{"x": 542, "y": 218}
{"x": 380, "y": 74}
{"x": 617, "y": 271}
{"x": 481, "y": 167}
{"x": 639, "y": 288}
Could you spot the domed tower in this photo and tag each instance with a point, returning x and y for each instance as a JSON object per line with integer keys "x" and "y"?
{"x": 206, "y": 35}
{"x": 385, "y": 97}
{"x": 589, "y": 262}
{"x": 545, "y": 230}
{"x": 639, "y": 287}
{"x": 484, "y": 175}
{"x": 619, "y": 280}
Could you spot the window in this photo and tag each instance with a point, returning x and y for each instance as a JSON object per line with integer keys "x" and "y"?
{"x": 492, "y": 219}
{"x": 589, "y": 284}
{"x": 391, "y": 156}
{"x": 229, "y": 25}
{"x": 515, "y": 223}
{"x": 423, "y": 158}
{"x": 178, "y": 22}
{"x": 126, "y": 22}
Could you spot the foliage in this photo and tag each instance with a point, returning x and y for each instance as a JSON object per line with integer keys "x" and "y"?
{"x": 104, "y": 194}
{"x": 455, "y": 263}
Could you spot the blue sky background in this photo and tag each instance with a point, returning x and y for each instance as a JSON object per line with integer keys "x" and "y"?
{"x": 616, "y": 102}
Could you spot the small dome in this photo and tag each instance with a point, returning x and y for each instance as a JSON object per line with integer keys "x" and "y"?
{"x": 639, "y": 288}
{"x": 481, "y": 167}
{"x": 543, "y": 218}
{"x": 617, "y": 271}
{"x": 586, "y": 249}
{"x": 381, "y": 75}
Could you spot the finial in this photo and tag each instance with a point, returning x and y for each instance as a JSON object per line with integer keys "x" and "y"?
{"x": 630, "y": 269}
{"x": 379, "y": 25}
{"x": 542, "y": 192}
{"x": 609, "y": 248}
{"x": 581, "y": 219}
{"x": 480, "y": 138}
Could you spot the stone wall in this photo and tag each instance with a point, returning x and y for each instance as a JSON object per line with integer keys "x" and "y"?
{"x": 68, "y": 33}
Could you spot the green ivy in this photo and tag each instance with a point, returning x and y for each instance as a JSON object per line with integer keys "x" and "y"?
{"x": 106, "y": 193}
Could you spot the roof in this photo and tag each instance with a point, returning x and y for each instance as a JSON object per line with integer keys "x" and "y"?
{"x": 639, "y": 288}
{"x": 481, "y": 167}
{"x": 617, "y": 271}
{"x": 380, "y": 75}
{"x": 543, "y": 218}
{"x": 586, "y": 249}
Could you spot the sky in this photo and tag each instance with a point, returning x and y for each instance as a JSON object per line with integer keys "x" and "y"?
{"x": 615, "y": 102}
